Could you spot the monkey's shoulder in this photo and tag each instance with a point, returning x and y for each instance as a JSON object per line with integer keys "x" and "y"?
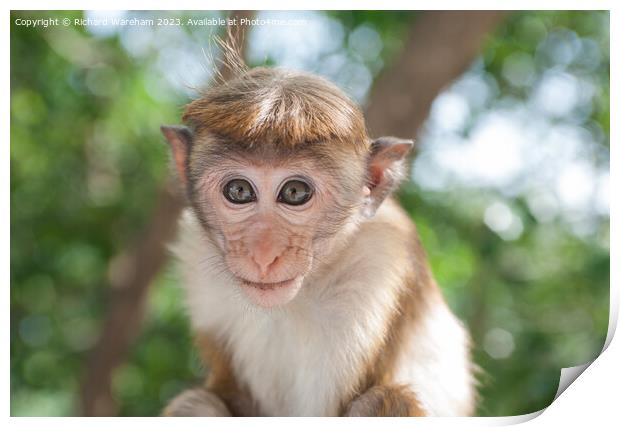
{"x": 391, "y": 224}
{"x": 388, "y": 238}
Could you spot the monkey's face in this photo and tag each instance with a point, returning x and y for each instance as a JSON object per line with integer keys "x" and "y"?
{"x": 276, "y": 215}
{"x": 274, "y": 220}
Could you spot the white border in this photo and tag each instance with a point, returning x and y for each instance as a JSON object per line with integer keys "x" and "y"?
{"x": 592, "y": 398}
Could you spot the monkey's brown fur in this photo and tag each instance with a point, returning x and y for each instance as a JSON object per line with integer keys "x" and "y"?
{"x": 271, "y": 106}
{"x": 277, "y": 115}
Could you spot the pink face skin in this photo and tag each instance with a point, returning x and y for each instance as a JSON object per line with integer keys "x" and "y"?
{"x": 268, "y": 245}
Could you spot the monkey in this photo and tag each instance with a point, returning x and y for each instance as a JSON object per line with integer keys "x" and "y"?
{"x": 307, "y": 286}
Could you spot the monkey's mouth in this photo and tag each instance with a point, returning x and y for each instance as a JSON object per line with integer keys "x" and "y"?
{"x": 266, "y": 286}
{"x": 271, "y": 294}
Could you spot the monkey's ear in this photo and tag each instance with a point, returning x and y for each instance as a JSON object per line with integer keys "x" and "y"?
{"x": 386, "y": 168}
{"x": 180, "y": 140}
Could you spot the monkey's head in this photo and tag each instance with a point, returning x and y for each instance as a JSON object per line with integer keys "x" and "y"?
{"x": 279, "y": 170}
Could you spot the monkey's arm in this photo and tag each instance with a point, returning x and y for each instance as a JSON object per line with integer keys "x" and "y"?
{"x": 385, "y": 401}
{"x": 221, "y": 395}
{"x": 206, "y": 402}
{"x": 196, "y": 402}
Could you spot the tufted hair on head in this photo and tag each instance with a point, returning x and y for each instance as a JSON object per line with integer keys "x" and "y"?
{"x": 277, "y": 107}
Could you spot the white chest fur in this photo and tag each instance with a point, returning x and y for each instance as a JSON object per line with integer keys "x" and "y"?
{"x": 303, "y": 358}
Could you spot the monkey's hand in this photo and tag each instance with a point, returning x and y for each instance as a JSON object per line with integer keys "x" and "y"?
{"x": 196, "y": 402}
{"x": 385, "y": 401}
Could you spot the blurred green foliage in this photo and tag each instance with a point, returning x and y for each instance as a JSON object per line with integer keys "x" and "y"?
{"x": 87, "y": 159}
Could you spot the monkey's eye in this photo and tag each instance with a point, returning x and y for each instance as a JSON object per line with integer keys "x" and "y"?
{"x": 239, "y": 191}
{"x": 295, "y": 192}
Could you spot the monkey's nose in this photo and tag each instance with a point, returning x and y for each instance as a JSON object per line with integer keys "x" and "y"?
{"x": 264, "y": 261}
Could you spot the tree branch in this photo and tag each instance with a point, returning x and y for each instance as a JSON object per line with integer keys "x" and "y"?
{"x": 440, "y": 47}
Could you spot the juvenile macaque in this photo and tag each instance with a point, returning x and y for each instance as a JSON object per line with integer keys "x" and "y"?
{"x": 307, "y": 286}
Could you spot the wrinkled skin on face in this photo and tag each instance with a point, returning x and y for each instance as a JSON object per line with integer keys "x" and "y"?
{"x": 268, "y": 245}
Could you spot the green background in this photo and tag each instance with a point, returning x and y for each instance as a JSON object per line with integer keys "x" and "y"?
{"x": 87, "y": 159}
